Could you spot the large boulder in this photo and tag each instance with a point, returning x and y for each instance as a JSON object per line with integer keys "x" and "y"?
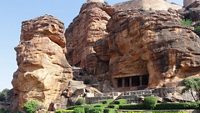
{"x": 43, "y": 71}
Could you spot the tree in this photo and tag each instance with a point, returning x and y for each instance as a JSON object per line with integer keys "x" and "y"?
{"x": 192, "y": 84}
{"x": 31, "y": 106}
{"x": 4, "y": 95}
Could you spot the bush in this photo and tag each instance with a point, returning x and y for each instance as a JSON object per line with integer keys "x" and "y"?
{"x": 71, "y": 108}
{"x": 31, "y": 106}
{"x": 108, "y": 110}
{"x": 120, "y": 101}
{"x": 99, "y": 105}
{"x": 132, "y": 106}
{"x": 187, "y": 105}
{"x": 87, "y": 108}
{"x": 64, "y": 111}
{"x": 150, "y": 102}
{"x": 107, "y": 101}
{"x": 79, "y": 110}
{"x": 80, "y": 101}
{"x": 114, "y": 106}
{"x": 4, "y": 95}
{"x": 4, "y": 111}
{"x": 96, "y": 110}
{"x": 186, "y": 22}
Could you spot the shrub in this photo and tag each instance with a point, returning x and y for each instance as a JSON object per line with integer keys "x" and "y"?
{"x": 197, "y": 30}
{"x": 107, "y": 101}
{"x": 108, "y": 110}
{"x": 31, "y": 106}
{"x": 120, "y": 101}
{"x": 87, "y": 108}
{"x": 186, "y": 22}
{"x": 150, "y": 102}
{"x": 64, "y": 111}
{"x": 132, "y": 106}
{"x": 187, "y": 105}
{"x": 99, "y": 105}
{"x": 71, "y": 108}
{"x": 80, "y": 101}
{"x": 4, "y": 95}
{"x": 79, "y": 110}
{"x": 114, "y": 106}
{"x": 3, "y": 111}
{"x": 96, "y": 110}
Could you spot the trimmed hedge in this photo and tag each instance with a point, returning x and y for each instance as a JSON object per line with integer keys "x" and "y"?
{"x": 109, "y": 110}
{"x": 79, "y": 110}
{"x": 64, "y": 111}
{"x": 162, "y": 106}
{"x": 187, "y": 105}
{"x": 132, "y": 106}
{"x": 96, "y": 110}
{"x": 150, "y": 102}
{"x": 107, "y": 101}
{"x": 120, "y": 101}
{"x": 114, "y": 106}
{"x": 99, "y": 105}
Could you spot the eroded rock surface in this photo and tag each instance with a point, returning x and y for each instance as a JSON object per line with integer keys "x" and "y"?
{"x": 87, "y": 28}
{"x": 43, "y": 71}
{"x": 154, "y": 44}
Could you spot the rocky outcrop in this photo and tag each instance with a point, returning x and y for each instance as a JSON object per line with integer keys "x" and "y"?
{"x": 87, "y": 28}
{"x": 186, "y": 3}
{"x": 152, "y": 43}
{"x": 43, "y": 71}
{"x": 146, "y": 5}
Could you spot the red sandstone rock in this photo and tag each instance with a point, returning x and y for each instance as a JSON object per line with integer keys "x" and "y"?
{"x": 43, "y": 70}
{"x": 154, "y": 44}
{"x": 87, "y": 28}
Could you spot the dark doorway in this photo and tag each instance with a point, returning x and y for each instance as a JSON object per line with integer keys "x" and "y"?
{"x": 135, "y": 80}
{"x": 145, "y": 80}
{"x": 127, "y": 82}
{"x": 119, "y": 82}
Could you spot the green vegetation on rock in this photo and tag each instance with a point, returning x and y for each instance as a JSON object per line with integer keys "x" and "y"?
{"x": 192, "y": 84}
{"x": 31, "y": 106}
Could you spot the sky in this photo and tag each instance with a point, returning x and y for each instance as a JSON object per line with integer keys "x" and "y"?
{"x": 13, "y": 12}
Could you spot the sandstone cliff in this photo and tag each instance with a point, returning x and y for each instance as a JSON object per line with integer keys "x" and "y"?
{"x": 43, "y": 71}
{"x": 133, "y": 49}
{"x": 152, "y": 43}
{"x": 87, "y": 28}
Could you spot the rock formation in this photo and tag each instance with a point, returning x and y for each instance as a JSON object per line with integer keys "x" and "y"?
{"x": 43, "y": 71}
{"x": 146, "y": 5}
{"x": 142, "y": 48}
{"x": 154, "y": 45}
{"x": 186, "y": 3}
{"x": 87, "y": 28}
